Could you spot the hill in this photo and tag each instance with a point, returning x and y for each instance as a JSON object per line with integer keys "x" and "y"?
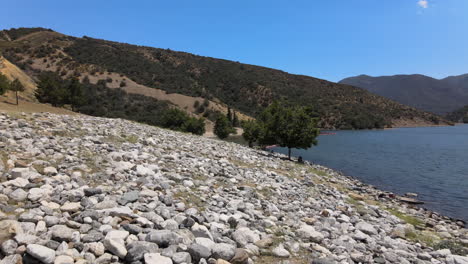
{"x": 161, "y": 72}
{"x": 459, "y": 115}
{"x": 419, "y": 91}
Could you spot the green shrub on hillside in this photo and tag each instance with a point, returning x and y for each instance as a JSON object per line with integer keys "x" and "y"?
{"x": 98, "y": 100}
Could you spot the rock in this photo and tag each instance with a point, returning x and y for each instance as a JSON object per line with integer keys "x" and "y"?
{"x": 308, "y": 232}
{"x": 12, "y": 259}
{"x": 280, "y": 251}
{"x": 198, "y": 252}
{"x": 92, "y": 192}
{"x": 18, "y": 195}
{"x": 9, "y": 228}
{"x": 50, "y": 171}
{"x": 181, "y": 257}
{"x": 163, "y": 238}
{"x": 129, "y": 197}
{"x": 64, "y": 260}
{"x": 19, "y": 173}
{"x": 92, "y": 236}
{"x": 201, "y": 231}
{"x": 440, "y": 253}
{"x": 117, "y": 234}
{"x": 70, "y": 207}
{"x": 9, "y": 247}
{"x": 424, "y": 256}
{"x": 61, "y": 233}
{"x": 97, "y": 248}
{"x": 324, "y": 261}
{"x": 137, "y": 250}
{"x": 366, "y": 228}
{"x": 36, "y": 194}
{"x": 460, "y": 259}
{"x": 41, "y": 253}
{"x": 26, "y": 239}
{"x": 116, "y": 246}
{"x": 241, "y": 256}
{"x": 156, "y": 258}
{"x": 244, "y": 236}
{"x": 223, "y": 251}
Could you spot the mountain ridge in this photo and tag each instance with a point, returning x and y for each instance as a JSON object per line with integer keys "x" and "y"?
{"x": 243, "y": 87}
{"x": 439, "y": 96}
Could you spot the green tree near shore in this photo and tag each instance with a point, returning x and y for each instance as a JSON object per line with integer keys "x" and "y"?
{"x": 286, "y": 126}
{"x": 4, "y": 84}
{"x": 252, "y": 131}
{"x": 16, "y": 86}
{"x": 222, "y": 127}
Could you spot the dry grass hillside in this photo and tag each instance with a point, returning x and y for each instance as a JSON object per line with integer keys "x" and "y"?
{"x": 13, "y": 72}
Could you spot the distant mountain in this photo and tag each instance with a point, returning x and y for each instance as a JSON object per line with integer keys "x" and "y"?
{"x": 419, "y": 91}
{"x": 182, "y": 78}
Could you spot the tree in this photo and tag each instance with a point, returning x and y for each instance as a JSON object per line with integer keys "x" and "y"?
{"x": 297, "y": 130}
{"x": 16, "y": 86}
{"x": 229, "y": 115}
{"x": 195, "y": 125}
{"x": 286, "y": 126}
{"x": 222, "y": 127}
{"x": 51, "y": 89}
{"x": 75, "y": 91}
{"x": 4, "y": 84}
{"x": 252, "y": 131}
{"x": 235, "y": 120}
{"x": 174, "y": 119}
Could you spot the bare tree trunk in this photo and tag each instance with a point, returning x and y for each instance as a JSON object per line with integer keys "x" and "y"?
{"x": 289, "y": 153}
{"x": 16, "y": 97}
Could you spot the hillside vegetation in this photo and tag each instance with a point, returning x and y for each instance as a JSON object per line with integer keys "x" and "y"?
{"x": 459, "y": 116}
{"x": 245, "y": 88}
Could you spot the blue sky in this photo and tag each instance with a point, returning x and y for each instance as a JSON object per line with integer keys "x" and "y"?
{"x": 328, "y": 39}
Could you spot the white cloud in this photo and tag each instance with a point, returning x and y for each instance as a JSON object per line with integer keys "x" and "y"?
{"x": 423, "y": 3}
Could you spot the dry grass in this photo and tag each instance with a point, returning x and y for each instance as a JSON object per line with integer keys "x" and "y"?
{"x": 6, "y": 105}
{"x": 12, "y": 72}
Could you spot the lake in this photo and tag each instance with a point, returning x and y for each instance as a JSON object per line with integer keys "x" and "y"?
{"x": 430, "y": 161}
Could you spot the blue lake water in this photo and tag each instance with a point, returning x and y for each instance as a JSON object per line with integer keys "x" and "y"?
{"x": 430, "y": 161}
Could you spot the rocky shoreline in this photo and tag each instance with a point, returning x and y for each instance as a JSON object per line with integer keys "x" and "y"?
{"x": 79, "y": 189}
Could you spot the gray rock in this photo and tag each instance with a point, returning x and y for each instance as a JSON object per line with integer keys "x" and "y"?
{"x": 366, "y": 228}
{"x": 181, "y": 257}
{"x": 18, "y": 195}
{"x": 163, "y": 238}
{"x": 324, "y": 261}
{"x": 116, "y": 246}
{"x": 280, "y": 251}
{"x": 244, "y": 236}
{"x": 129, "y": 197}
{"x": 201, "y": 231}
{"x": 41, "y": 253}
{"x": 9, "y": 247}
{"x": 156, "y": 258}
{"x": 137, "y": 250}
{"x": 92, "y": 236}
{"x": 63, "y": 259}
{"x": 198, "y": 252}
{"x": 62, "y": 233}
{"x": 223, "y": 251}
{"x": 307, "y": 232}
{"x": 12, "y": 259}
